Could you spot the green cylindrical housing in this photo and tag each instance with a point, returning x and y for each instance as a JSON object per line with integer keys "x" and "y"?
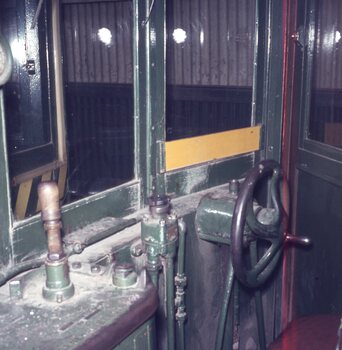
{"x": 214, "y": 219}
{"x": 58, "y": 286}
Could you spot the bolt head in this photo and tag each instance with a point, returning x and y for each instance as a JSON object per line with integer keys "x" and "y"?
{"x": 124, "y": 275}
{"x": 77, "y": 248}
{"x": 137, "y": 251}
{"x": 59, "y": 298}
{"x": 95, "y": 269}
{"x": 76, "y": 265}
{"x": 15, "y": 289}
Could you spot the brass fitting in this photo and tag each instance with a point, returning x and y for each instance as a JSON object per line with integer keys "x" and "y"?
{"x": 51, "y": 216}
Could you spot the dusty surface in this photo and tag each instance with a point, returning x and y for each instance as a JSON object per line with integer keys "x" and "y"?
{"x": 33, "y": 323}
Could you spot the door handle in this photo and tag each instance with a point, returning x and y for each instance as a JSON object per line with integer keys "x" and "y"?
{"x": 298, "y": 240}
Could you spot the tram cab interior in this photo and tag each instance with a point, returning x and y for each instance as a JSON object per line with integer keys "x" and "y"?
{"x": 171, "y": 174}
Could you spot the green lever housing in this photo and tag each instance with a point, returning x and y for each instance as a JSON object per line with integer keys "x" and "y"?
{"x": 214, "y": 218}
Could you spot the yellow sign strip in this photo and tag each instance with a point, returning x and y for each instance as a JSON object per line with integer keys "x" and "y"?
{"x": 200, "y": 149}
{"x": 22, "y": 199}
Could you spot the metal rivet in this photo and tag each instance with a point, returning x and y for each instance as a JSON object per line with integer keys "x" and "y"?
{"x": 76, "y": 265}
{"x": 95, "y": 269}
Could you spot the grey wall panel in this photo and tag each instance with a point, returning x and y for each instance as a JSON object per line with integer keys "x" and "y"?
{"x": 219, "y": 45}
{"x": 218, "y": 49}
{"x": 88, "y": 59}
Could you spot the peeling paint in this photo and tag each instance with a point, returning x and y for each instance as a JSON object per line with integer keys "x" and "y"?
{"x": 194, "y": 178}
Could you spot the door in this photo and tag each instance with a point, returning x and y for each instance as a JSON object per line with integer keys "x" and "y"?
{"x": 317, "y": 158}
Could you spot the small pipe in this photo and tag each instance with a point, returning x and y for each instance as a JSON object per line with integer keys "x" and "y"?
{"x": 224, "y": 310}
{"x": 181, "y": 247}
{"x": 170, "y": 294}
{"x": 181, "y": 336}
{"x": 258, "y": 301}
{"x": 260, "y": 319}
{"x": 153, "y": 267}
{"x": 236, "y": 304}
{"x": 236, "y": 316}
{"x": 36, "y": 15}
{"x": 19, "y": 268}
{"x": 154, "y": 276}
{"x": 180, "y": 282}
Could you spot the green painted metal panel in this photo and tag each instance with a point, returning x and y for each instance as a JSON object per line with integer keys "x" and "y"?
{"x": 318, "y": 269}
{"x": 195, "y": 179}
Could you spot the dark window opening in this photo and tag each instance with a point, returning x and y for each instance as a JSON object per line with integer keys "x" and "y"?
{"x": 26, "y": 95}
{"x": 98, "y": 75}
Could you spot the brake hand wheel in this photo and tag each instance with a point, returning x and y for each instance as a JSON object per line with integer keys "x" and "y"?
{"x": 268, "y": 224}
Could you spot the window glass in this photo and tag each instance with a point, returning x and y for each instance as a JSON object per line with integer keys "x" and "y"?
{"x": 26, "y": 94}
{"x": 98, "y": 75}
{"x": 210, "y": 51}
{"x": 325, "y": 122}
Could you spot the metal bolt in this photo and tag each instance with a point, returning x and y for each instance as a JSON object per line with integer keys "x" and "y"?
{"x": 234, "y": 186}
{"x": 59, "y": 298}
{"x": 95, "y": 269}
{"x": 123, "y": 269}
{"x": 124, "y": 275}
{"x": 295, "y": 36}
{"x": 172, "y": 217}
{"x": 137, "y": 251}
{"x": 77, "y": 248}
{"x": 15, "y": 290}
{"x": 76, "y": 265}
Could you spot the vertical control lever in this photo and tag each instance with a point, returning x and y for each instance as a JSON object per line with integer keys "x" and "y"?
{"x": 58, "y": 286}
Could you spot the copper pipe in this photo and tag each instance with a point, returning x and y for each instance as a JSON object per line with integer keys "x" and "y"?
{"x": 51, "y": 216}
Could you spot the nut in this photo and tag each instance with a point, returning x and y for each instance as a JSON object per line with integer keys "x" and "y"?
{"x": 55, "y": 256}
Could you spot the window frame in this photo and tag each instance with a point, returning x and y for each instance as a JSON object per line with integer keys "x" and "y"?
{"x": 26, "y": 239}
{"x": 46, "y": 155}
{"x": 313, "y": 155}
